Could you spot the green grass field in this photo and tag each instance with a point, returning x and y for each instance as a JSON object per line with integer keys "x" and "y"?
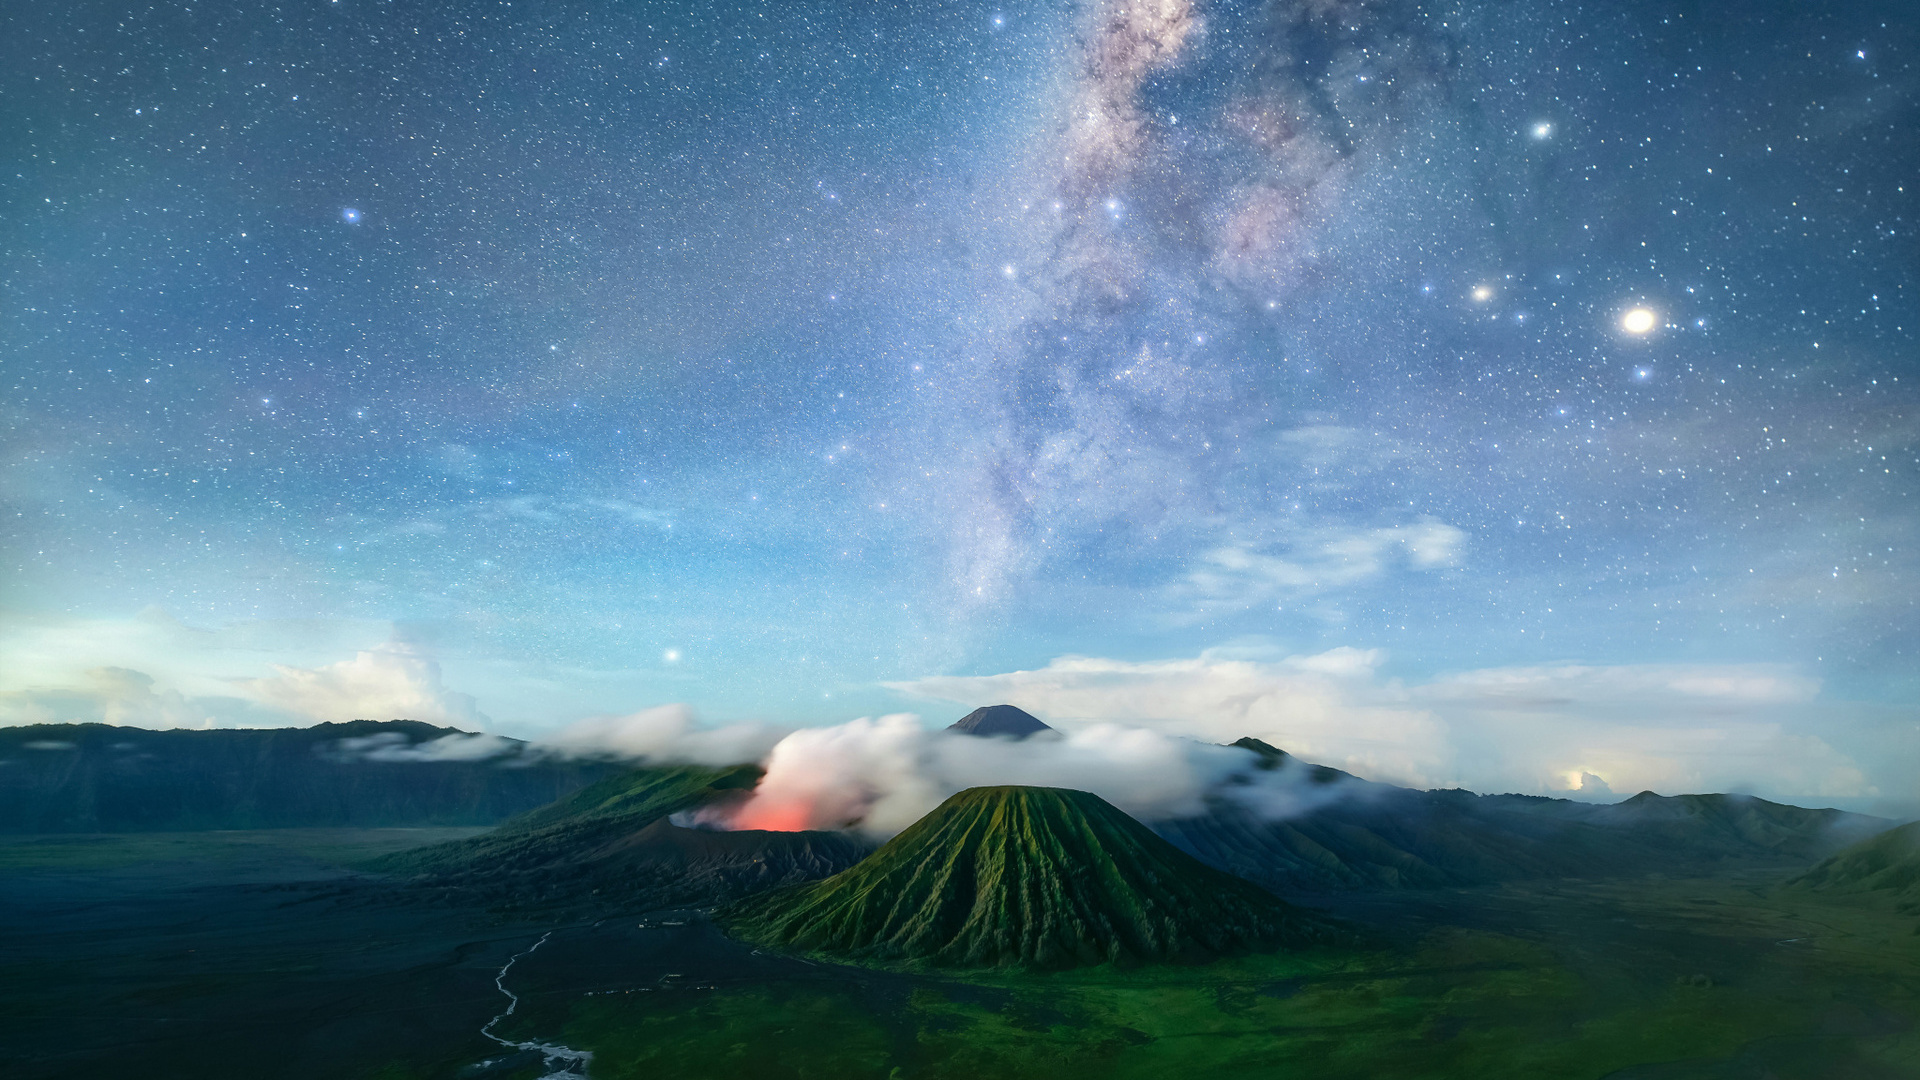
{"x": 318, "y": 849}
{"x": 241, "y": 954}
{"x": 1716, "y": 979}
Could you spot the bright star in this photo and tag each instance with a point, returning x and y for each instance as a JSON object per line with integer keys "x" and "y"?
{"x": 1543, "y": 130}
{"x": 350, "y": 216}
{"x": 1638, "y": 321}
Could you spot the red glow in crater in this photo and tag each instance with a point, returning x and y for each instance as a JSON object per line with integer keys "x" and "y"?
{"x": 781, "y": 815}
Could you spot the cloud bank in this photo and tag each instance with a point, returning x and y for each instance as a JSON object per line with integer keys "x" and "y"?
{"x": 395, "y": 681}
{"x": 665, "y": 733}
{"x": 392, "y": 746}
{"x": 1565, "y": 729}
{"x": 881, "y": 775}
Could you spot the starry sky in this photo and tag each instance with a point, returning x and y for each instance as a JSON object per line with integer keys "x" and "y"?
{"x": 777, "y": 359}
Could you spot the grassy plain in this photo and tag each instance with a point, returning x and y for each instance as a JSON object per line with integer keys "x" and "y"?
{"x": 1721, "y": 979}
{"x": 261, "y": 955}
{"x": 234, "y": 954}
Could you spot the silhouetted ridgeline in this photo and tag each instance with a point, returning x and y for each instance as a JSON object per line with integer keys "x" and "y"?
{"x": 1377, "y": 836}
{"x": 101, "y": 778}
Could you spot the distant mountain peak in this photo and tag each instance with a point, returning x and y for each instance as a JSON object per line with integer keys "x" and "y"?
{"x": 999, "y": 720}
{"x": 1271, "y": 756}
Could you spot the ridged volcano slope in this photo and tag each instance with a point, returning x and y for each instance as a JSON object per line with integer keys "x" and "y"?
{"x": 611, "y": 845}
{"x": 1040, "y": 877}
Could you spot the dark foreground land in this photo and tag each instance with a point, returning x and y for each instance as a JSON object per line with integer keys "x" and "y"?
{"x": 234, "y": 954}
{"x": 259, "y": 954}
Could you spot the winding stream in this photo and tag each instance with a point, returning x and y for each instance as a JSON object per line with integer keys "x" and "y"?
{"x": 561, "y": 1062}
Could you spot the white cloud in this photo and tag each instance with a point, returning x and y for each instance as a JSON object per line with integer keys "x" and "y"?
{"x": 885, "y": 774}
{"x": 116, "y": 695}
{"x": 662, "y": 733}
{"x": 393, "y": 682}
{"x": 1668, "y": 728}
{"x": 1310, "y": 704}
{"x": 395, "y": 746}
{"x": 1242, "y": 575}
{"x": 50, "y": 653}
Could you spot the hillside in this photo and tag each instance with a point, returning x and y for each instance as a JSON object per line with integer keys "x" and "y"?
{"x": 1375, "y": 836}
{"x": 102, "y": 778}
{"x": 1887, "y": 865}
{"x": 612, "y": 844}
{"x": 1024, "y": 876}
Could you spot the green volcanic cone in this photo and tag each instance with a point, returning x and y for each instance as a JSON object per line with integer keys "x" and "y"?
{"x": 1025, "y": 876}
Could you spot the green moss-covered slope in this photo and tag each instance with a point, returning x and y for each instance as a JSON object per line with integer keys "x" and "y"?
{"x": 578, "y": 824}
{"x": 1024, "y": 876}
{"x": 1888, "y": 864}
{"x": 610, "y": 845}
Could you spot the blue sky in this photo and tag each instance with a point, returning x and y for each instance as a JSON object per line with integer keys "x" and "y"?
{"x": 776, "y": 359}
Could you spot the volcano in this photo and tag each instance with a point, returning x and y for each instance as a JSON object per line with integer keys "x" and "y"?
{"x": 1026, "y": 877}
{"x": 998, "y": 720}
{"x": 613, "y": 844}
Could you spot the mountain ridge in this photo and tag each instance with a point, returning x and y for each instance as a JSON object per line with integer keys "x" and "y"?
{"x": 364, "y": 773}
{"x": 1887, "y": 865}
{"x": 1380, "y": 836}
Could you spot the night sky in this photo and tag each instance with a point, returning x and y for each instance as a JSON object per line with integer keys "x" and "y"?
{"x": 801, "y": 361}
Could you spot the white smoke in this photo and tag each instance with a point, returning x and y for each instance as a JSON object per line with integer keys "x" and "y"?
{"x": 883, "y": 775}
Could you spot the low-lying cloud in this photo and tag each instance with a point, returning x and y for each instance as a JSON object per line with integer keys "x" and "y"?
{"x": 665, "y": 733}
{"x": 393, "y": 746}
{"x": 1581, "y": 730}
{"x": 881, "y": 775}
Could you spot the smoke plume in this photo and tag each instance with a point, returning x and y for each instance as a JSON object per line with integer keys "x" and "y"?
{"x": 882, "y": 775}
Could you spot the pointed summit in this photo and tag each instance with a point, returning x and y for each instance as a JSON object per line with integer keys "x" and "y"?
{"x": 999, "y": 720}
{"x": 1271, "y": 756}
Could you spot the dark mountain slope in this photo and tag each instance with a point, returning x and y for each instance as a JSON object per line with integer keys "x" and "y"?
{"x": 1025, "y": 876}
{"x": 1888, "y": 865}
{"x": 1734, "y": 826}
{"x": 102, "y": 778}
{"x": 998, "y": 720}
{"x": 1351, "y": 834}
{"x": 612, "y": 844}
